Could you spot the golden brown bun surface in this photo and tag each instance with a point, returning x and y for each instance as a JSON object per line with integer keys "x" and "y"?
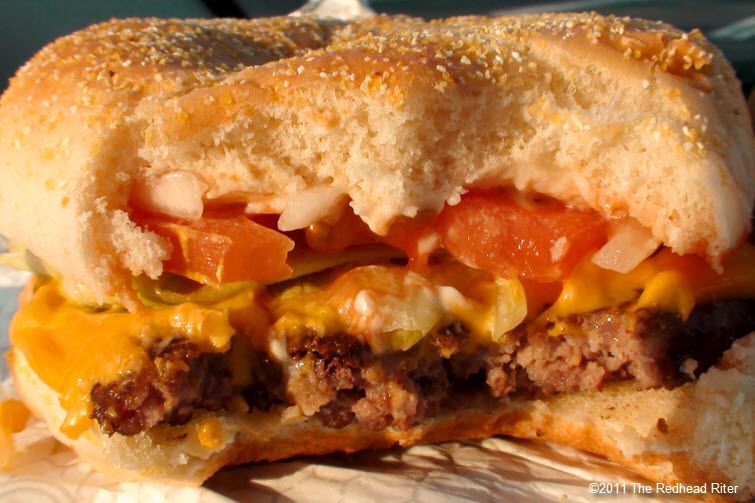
{"x": 629, "y": 117}
{"x": 697, "y": 433}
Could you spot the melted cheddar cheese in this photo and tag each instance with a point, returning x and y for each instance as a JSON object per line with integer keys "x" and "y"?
{"x": 665, "y": 281}
{"x": 391, "y": 308}
{"x": 72, "y": 347}
{"x": 210, "y": 433}
{"x": 13, "y": 418}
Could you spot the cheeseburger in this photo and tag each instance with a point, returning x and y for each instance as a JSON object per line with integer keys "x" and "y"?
{"x": 257, "y": 239}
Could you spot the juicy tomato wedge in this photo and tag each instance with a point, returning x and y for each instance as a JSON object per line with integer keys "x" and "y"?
{"x": 222, "y": 249}
{"x": 541, "y": 240}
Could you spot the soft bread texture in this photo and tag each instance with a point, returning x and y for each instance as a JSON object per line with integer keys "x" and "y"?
{"x": 625, "y": 116}
{"x": 697, "y": 433}
{"x": 69, "y": 143}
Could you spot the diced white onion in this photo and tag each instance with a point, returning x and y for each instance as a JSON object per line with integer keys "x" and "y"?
{"x": 178, "y": 194}
{"x": 630, "y": 243}
{"x": 452, "y": 299}
{"x": 278, "y": 350}
{"x": 265, "y": 205}
{"x": 428, "y": 243}
{"x": 364, "y": 304}
{"x": 510, "y": 307}
{"x": 309, "y": 207}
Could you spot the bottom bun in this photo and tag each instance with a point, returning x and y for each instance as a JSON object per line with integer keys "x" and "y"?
{"x": 697, "y": 433}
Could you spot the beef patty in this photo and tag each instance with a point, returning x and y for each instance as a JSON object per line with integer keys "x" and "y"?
{"x": 178, "y": 379}
{"x": 339, "y": 381}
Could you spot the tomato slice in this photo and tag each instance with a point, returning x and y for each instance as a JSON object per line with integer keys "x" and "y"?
{"x": 222, "y": 249}
{"x": 413, "y": 236}
{"x": 541, "y": 240}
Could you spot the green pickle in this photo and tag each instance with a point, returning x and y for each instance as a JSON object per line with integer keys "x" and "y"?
{"x": 401, "y": 340}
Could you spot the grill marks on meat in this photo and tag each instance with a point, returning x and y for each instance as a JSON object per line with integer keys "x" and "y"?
{"x": 168, "y": 388}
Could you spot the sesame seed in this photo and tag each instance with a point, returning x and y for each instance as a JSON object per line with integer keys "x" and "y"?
{"x": 174, "y": 57}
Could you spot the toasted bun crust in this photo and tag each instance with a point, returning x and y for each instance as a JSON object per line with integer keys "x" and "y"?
{"x": 698, "y": 433}
{"x": 625, "y": 116}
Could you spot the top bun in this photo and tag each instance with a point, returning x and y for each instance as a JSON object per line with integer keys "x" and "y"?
{"x": 625, "y": 116}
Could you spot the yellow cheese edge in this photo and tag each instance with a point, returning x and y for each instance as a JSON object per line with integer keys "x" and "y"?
{"x": 665, "y": 281}
{"x": 72, "y": 348}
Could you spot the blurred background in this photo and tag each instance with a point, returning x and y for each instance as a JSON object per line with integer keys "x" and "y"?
{"x": 27, "y": 25}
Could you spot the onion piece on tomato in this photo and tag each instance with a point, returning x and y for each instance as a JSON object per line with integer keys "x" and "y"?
{"x": 311, "y": 206}
{"x": 178, "y": 194}
{"x": 629, "y": 244}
